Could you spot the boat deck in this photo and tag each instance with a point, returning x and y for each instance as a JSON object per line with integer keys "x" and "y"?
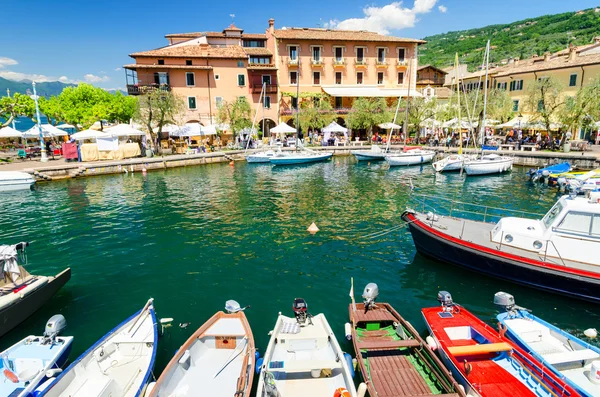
{"x": 378, "y": 313}
{"x": 393, "y": 375}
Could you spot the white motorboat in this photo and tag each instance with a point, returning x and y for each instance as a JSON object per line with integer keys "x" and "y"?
{"x": 26, "y": 363}
{"x": 217, "y": 360}
{"x": 304, "y": 359}
{"x": 410, "y": 157}
{"x": 453, "y": 162}
{"x": 262, "y": 157}
{"x": 120, "y": 364}
{"x": 569, "y": 357}
{"x": 373, "y": 154}
{"x": 15, "y": 180}
{"x": 488, "y": 164}
{"x": 300, "y": 157}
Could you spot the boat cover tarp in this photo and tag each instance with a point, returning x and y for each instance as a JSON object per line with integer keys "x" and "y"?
{"x": 8, "y": 260}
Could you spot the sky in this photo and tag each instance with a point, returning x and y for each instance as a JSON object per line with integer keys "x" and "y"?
{"x": 89, "y": 41}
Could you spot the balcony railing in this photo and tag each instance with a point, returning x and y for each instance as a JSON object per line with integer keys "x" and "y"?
{"x": 269, "y": 88}
{"x": 401, "y": 62}
{"x": 316, "y": 62}
{"x": 381, "y": 62}
{"x": 342, "y": 110}
{"x": 253, "y": 65}
{"x": 339, "y": 62}
{"x": 140, "y": 89}
{"x": 292, "y": 61}
{"x": 360, "y": 62}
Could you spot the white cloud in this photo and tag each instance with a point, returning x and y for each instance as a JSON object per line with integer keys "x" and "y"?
{"x": 118, "y": 69}
{"x": 18, "y": 76}
{"x": 90, "y": 78}
{"x": 4, "y": 61}
{"x": 392, "y": 16}
{"x": 443, "y": 9}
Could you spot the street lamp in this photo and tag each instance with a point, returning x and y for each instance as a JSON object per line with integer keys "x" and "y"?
{"x": 37, "y": 113}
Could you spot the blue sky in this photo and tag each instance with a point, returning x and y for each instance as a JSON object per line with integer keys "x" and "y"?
{"x": 83, "y": 40}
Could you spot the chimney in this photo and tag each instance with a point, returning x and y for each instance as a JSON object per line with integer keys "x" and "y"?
{"x": 572, "y": 53}
{"x": 271, "y": 25}
{"x": 517, "y": 61}
{"x": 546, "y": 57}
{"x": 597, "y": 40}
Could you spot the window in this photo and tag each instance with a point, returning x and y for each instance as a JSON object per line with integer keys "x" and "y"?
{"x": 577, "y": 222}
{"x": 190, "y": 79}
{"x": 219, "y": 101}
{"x": 267, "y": 102}
{"x": 338, "y": 102}
{"x": 516, "y": 105}
{"x": 596, "y": 225}
{"x": 254, "y": 43}
{"x": 401, "y": 54}
{"x": 339, "y": 53}
{"x": 338, "y": 77}
{"x": 381, "y": 55}
{"x": 360, "y": 54}
{"x": 188, "y": 62}
{"x": 316, "y": 78}
{"x": 161, "y": 61}
{"x": 260, "y": 60}
{"x": 241, "y": 80}
{"x": 316, "y": 51}
{"x": 294, "y": 103}
{"x": 217, "y": 77}
{"x": 552, "y": 214}
{"x": 293, "y": 52}
{"x": 192, "y": 102}
{"x": 293, "y": 78}
{"x": 241, "y": 98}
{"x": 380, "y": 78}
{"x": 516, "y": 85}
{"x": 266, "y": 79}
{"x": 540, "y": 106}
{"x": 359, "y": 78}
{"x": 161, "y": 78}
{"x": 502, "y": 86}
{"x": 240, "y": 64}
{"x": 573, "y": 80}
{"x": 401, "y": 78}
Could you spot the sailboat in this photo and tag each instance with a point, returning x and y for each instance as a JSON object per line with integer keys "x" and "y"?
{"x": 265, "y": 155}
{"x": 488, "y": 163}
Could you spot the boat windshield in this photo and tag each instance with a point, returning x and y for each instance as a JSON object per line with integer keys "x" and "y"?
{"x": 552, "y": 214}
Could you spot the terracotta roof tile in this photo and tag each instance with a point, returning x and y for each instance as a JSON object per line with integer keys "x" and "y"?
{"x": 192, "y": 35}
{"x": 433, "y": 67}
{"x": 135, "y": 66}
{"x": 194, "y": 51}
{"x": 563, "y": 62}
{"x": 257, "y": 51}
{"x": 338, "y": 35}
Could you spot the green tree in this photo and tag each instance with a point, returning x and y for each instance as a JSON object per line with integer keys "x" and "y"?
{"x": 420, "y": 110}
{"x": 582, "y": 108}
{"x": 368, "y": 112}
{"x": 316, "y": 113}
{"x": 121, "y": 108}
{"x": 84, "y": 105}
{"x": 157, "y": 108}
{"x": 500, "y": 105}
{"x": 544, "y": 101}
{"x": 51, "y": 108}
{"x": 236, "y": 113}
{"x": 17, "y": 105}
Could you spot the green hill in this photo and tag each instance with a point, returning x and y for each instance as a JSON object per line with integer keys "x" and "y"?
{"x": 43, "y": 89}
{"x": 548, "y": 33}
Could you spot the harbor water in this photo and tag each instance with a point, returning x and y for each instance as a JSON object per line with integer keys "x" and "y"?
{"x": 195, "y": 237}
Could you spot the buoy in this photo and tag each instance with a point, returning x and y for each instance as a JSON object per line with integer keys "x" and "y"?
{"x": 431, "y": 343}
{"x": 591, "y": 333}
{"x": 11, "y": 376}
{"x": 231, "y": 163}
{"x": 348, "y": 331}
{"x": 312, "y": 229}
{"x": 362, "y": 390}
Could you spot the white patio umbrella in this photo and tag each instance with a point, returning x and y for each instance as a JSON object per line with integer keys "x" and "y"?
{"x": 48, "y": 131}
{"x": 88, "y": 134}
{"x": 454, "y": 123}
{"x": 283, "y": 128}
{"x": 193, "y": 129}
{"x": 9, "y": 132}
{"x": 124, "y": 130}
{"x": 389, "y": 126}
{"x": 335, "y": 127}
{"x": 430, "y": 123}
{"x": 66, "y": 127}
{"x": 514, "y": 122}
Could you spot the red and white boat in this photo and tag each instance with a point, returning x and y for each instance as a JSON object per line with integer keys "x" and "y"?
{"x": 483, "y": 361}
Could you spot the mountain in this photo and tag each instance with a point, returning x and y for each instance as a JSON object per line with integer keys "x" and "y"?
{"x": 43, "y": 89}
{"x": 522, "y": 39}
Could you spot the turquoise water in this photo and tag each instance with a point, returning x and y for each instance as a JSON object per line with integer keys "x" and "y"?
{"x": 194, "y": 237}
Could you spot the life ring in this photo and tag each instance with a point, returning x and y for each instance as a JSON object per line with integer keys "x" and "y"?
{"x": 341, "y": 392}
{"x": 11, "y": 376}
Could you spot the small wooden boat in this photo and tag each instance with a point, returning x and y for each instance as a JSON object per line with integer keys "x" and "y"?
{"x": 304, "y": 359}
{"x": 15, "y": 180}
{"x": 118, "y": 365}
{"x": 570, "y": 358}
{"x": 410, "y": 157}
{"x": 22, "y": 294}
{"x": 392, "y": 357}
{"x": 483, "y": 361}
{"x": 25, "y": 364}
{"x": 217, "y": 360}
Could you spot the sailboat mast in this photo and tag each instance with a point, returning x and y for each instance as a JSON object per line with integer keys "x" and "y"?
{"x": 485, "y": 92}
{"x": 298, "y": 103}
{"x": 393, "y": 122}
{"x": 261, "y": 99}
{"x": 407, "y": 104}
{"x": 458, "y": 96}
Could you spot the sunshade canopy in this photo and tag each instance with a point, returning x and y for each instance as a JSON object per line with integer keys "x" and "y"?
{"x": 334, "y": 127}
{"x": 389, "y": 126}
{"x": 193, "y": 129}
{"x": 283, "y": 128}
{"x": 9, "y": 132}
{"x": 66, "y": 126}
{"x": 369, "y": 91}
{"x": 89, "y": 134}
{"x": 124, "y": 130}
{"x": 48, "y": 131}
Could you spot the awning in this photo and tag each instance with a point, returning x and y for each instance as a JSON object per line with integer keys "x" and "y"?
{"x": 283, "y": 128}
{"x": 9, "y": 132}
{"x": 335, "y": 127}
{"x": 124, "y": 130}
{"x": 369, "y": 91}
{"x": 48, "y": 130}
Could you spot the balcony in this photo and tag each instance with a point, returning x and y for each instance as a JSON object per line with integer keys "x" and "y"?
{"x": 342, "y": 110}
{"x": 262, "y": 66}
{"x": 292, "y": 62}
{"x": 339, "y": 63}
{"x": 401, "y": 63}
{"x": 381, "y": 63}
{"x": 316, "y": 63}
{"x": 269, "y": 88}
{"x": 360, "y": 62}
{"x": 140, "y": 89}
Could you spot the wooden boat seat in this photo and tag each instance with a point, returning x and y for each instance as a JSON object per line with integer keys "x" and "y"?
{"x": 386, "y": 344}
{"x": 569, "y": 357}
{"x": 307, "y": 365}
{"x": 479, "y": 349}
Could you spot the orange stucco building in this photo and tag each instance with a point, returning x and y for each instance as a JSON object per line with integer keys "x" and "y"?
{"x": 207, "y": 68}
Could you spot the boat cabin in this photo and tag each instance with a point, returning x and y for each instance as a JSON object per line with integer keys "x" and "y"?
{"x": 569, "y": 231}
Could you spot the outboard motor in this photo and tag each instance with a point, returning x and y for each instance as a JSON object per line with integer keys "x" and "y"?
{"x": 54, "y": 326}
{"x": 507, "y": 302}
{"x": 370, "y": 293}
{"x": 300, "y": 308}
{"x": 445, "y": 300}
{"x": 232, "y": 306}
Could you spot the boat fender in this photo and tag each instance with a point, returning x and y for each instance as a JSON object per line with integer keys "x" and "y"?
{"x": 590, "y": 333}
{"x": 362, "y": 390}
{"x": 348, "y": 331}
{"x": 341, "y": 392}
{"x": 354, "y": 363}
{"x": 51, "y": 373}
{"x": 259, "y": 364}
{"x": 43, "y": 387}
{"x": 348, "y": 359}
{"x": 594, "y": 374}
{"x": 431, "y": 343}
{"x": 11, "y": 376}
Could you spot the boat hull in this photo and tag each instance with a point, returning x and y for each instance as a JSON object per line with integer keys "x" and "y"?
{"x": 444, "y": 248}
{"x": 488, "y": 167}
{"x": 409, "y": 159}
{"x": 20, "y": 310}
{"x": 14, "y": 180}
{"x": 263, "y": 157}
{"x": 296, "y": 160}
{"x": 367, "y": 155}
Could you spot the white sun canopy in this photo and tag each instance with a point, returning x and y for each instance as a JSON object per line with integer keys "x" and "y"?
{"x": 193, "y": 129}
{"x": 9, "y": 132}
{"x": 389, "y": 126}
{"x": 89, "y": 134}
{"x": 124, "y": 130}
{"x": 335, "y": 127}
{"x": 283, "y": 128}
{"x": 369, "y": 91}
{"x": 48, "y": 131}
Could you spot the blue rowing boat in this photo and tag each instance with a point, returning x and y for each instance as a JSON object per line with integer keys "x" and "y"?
{"x": 544, "y": 173}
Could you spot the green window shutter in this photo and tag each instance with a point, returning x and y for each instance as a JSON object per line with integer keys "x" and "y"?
{"x": 241, "y": 80}
{"x": 192, "y": 102}
{"x": 573, "y": 80}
